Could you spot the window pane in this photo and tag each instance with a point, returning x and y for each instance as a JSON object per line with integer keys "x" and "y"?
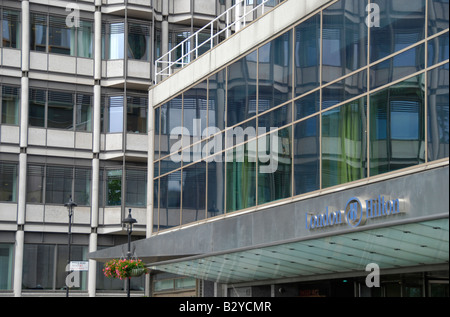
{"x": 216, "y": 102}
{"x": 138, "y": 41}
{"x": 438, "y": 49}
{"x": 344, "y": 89}
{"x": 241, "y": 98}
{"x": 83, "y": 113}
{"x": 438, "y": 15}
{"x": 61, "y": 38}
{"x": 343, "y": 143}
{"x": 307, "y": 55}
{"x": 85, "y": 39}
{"x": 35, "y": 184}
{"x": 58, "y": 185}
{"x": 402, "y": 22}
{"x": 36, "y": 110}
{"x": 114, "y": 187}
{"x": 38, "y": 34}
{"x": 60, "y": 110}
{"x": 116, "y": 41}
{"x": 6, "y": 266}
{"x": 82, "y": 189}
{"x": 11, "y": 28}
{"x": 344, "y": 38}
{"x": 10, "y": 105}
{"x": 307, "y": 105}
{"x": 137, "y": 114}
{"x": 397, "y": 126}
{"x": 216, "y": 185}
{"x": 274, "y": 166}
{"x": 115, "y": 122}
{"x": 170, "y": 201}
{"x": 241, "y": 177}
{"x": 275, "y": 72}
{"x": 399, "y": 66}
{"x": 195, "y": 111}
{"x": 8, "y": 182}
{"x": 194, "y": 193}
{"x": 438, "y": 113}
{"x": 136, "y": 194}
{"x": 307, "y": 156}
{"x": 38, "y": 266}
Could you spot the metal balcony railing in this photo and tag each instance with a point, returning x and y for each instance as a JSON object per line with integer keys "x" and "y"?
{"x": 233, "y": 20}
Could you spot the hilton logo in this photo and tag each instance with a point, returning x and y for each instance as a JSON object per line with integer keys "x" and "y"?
{"x": 355, "y": 213}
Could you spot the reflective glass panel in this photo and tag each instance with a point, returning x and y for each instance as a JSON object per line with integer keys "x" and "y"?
{"x": 438, "y": 113}
{"x": 343, "y": 143}
{"x": 307, "y": 105}
{"x": 276, "y": 118}
{"x": 275, "y": 72}
{"x": 344, "y": 89}
{"x": 307, "y": 55}
{"x": 216, "y": 102}
{"x": 61, "y": 38}
{"x": 241, "y": 97}
{"x": 274, "y": 166}
{"x": 241, "y": 177}
{"x": 397, "y": 126}
{"x": 216, "y": 185}
{"x": 116, "y": 40}
{"x": 399, "y": 66}
{"x": 38, "y": 266}
{"x": 114, "y": 187}
{"x": 139, "y": 41}
{"x": 401, "y": 24}
{"x": 115, "y": 122}
{"x": 345, "y": 38}
{"x": 82, "y": 187}
{"x": 36, "y": 108}
{"x": 307, "y": 156}
{"x": 195, "y": 111}
{"x": 35, "y": 184}
{"x": 11, "y": 28}
{"x": 194, "y": 193}
{"x": 83, "y": 113}
{"x": 438, "y": 49}
{"x": 438, "y": 16}
{"x": 170, "y": 200}
{"x": 137, "y": 114}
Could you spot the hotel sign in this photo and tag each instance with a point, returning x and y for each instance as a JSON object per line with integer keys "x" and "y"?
{"x": 356, "y": 213}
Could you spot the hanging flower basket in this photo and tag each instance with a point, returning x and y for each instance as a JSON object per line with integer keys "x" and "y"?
{"x": 124, "y": 268}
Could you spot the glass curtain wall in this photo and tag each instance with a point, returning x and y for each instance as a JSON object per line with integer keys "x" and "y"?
{"x": 315, "y": 107}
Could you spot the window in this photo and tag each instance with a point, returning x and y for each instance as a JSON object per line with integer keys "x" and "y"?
{"x": 138, "y": 41}
{"x": 58, "y": 184}
{"x": 38, "y": 34}
{"x": 343, "y": 146}
{"x": 11, "y": 28}
{"x": 35, "y": 184}
{"x": 36, "y": 108}
{"x": 137, "y": 114}
{"x": 82, "y": 187}
{"x": 84, "y": 39}
{"x": 114, "y": 187}
{"x": 61, "y": 38}
{"x": 83, "y": 113}
{"x": 8, "y": 182}
{"x": 60, "y": 110}
{"x": 115, "y": 111}
{"x": 116, "y": 40}
{"x": 194, "y": 193}
{"x": 10, "y": 105}
{"x": 397, "y": 129}
{"x": 136, "y": 188}
{"x": 6, "y": 266}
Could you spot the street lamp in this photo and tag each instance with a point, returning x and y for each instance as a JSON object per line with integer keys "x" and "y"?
{"x": 70, "y": 206}
{"x": 128, "y": 222}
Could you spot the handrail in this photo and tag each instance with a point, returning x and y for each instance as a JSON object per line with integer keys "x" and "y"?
{"x": 165, "y": 63}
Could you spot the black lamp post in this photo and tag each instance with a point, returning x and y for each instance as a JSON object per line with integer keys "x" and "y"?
{"x": 70, "y": 206}
{"x": 128, "y": 222}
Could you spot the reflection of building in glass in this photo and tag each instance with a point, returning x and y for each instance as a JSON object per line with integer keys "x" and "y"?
{"x": 359, "y": 113}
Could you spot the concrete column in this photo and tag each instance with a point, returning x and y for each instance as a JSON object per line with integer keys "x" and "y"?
{"x": 23, "y": 141}
{"x": 150, "y": 167}
{"x": 92, "y": 274}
